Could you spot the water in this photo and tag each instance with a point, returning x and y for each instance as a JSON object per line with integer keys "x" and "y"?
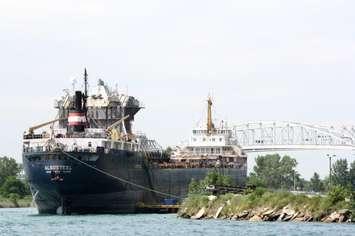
{"x": 26, "y": 222}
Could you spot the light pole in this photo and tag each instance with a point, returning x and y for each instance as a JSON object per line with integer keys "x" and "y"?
{"x": 330, "y": 168}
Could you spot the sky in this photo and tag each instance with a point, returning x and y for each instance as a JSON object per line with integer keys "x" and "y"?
{"x": 260, "y": 60}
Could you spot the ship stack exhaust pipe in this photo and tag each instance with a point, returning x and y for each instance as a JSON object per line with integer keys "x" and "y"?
{"x": 77, "y": 120}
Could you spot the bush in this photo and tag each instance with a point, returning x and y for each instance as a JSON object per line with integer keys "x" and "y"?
{"x": 212, "y": 178}
{"x": 14, "y": 199}
{"x": 337, "y": 194}
{"x": 195, "y": 187}
{"x": 13, "y": 186}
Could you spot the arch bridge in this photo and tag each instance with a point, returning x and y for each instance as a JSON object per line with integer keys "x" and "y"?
{"x": 264, "y": 136}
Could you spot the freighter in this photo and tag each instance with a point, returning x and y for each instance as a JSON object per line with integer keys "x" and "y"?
{"x": 89, "y": 160}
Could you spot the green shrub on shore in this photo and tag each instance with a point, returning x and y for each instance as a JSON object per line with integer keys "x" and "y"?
{"x": 212, "y": 178}
{"x": 14, "y": 187}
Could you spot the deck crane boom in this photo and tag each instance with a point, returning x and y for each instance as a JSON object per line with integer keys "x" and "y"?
{"x": 33, "y": 128}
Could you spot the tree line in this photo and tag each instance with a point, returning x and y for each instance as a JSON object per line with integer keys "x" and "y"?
{"x": 279, "y": 172}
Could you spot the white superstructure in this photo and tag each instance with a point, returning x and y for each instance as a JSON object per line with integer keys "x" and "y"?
{"x": 100, "y": 121}
{"x": 212, "y": 144}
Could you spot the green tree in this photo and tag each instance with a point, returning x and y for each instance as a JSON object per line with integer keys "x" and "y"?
{"x": 8, "y": 167}
{"x": 340, "y": 173}
{"x": 254, "y": 180}
{"x": 316, "y": 183}
{"x": 13, "y": 187}
{"x": 352, "y": 175}
{"x": 301, "y": 183}
{"x": 274, "y": 171}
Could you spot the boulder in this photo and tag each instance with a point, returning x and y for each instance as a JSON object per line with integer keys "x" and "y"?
{"x": 338, "y": 216}
{"x": 282, "y": 215}
{"x": 345, "y": 215}
{"x": 243, "y": 215}
{"x": 286, "y": 214}
{"x": 219, "y": 210}
{"x": 287, "y": 217}
{"x": 299, "y": 219}
{"x": 199, "y": 214}
{"x": 268, "y": 212}
{"x": 332, "y": 217}
{"x": 271, "y": 215}
{"x": 288, "y": 211}
{"x": 256, "y": 218}
{"x": 341, "y": 219}
{"x": 294, "y": 216}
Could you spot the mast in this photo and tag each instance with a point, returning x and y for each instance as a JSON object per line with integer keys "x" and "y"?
{"x": 209, "y": 116}
{"x": 85, "y": 90}
{"x": 86, "y": 82}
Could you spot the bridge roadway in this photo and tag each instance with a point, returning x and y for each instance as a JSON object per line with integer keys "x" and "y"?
{"x": 265, "y": 136}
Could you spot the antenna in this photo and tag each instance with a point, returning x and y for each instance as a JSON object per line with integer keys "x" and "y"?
{"x": 116, "y": 88}
{"x": 86, "y": 82}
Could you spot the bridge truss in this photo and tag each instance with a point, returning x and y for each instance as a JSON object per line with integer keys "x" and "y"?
{"x": 277, "y": 136}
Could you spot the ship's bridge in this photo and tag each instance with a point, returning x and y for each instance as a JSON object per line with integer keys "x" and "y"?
{"x": 219, "y": 137}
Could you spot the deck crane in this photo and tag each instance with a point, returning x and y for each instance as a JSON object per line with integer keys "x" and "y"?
{"x": 112, "y": 132}
{"x": 33, "y": 128}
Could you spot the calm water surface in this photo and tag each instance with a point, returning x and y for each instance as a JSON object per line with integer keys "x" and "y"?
{"x": 27, "y": 222}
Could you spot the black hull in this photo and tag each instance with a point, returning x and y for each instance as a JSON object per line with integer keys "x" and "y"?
{"x": 61, "y": 184}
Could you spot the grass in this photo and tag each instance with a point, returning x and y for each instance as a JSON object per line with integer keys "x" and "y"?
{"x": 14, "y": 203}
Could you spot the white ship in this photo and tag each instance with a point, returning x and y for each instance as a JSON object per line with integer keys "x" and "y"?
{"x": 212, "y": 146}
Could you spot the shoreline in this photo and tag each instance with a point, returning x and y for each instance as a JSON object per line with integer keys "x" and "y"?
{"x": 18, "y": 203}
{"x": 267, "y": 207}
